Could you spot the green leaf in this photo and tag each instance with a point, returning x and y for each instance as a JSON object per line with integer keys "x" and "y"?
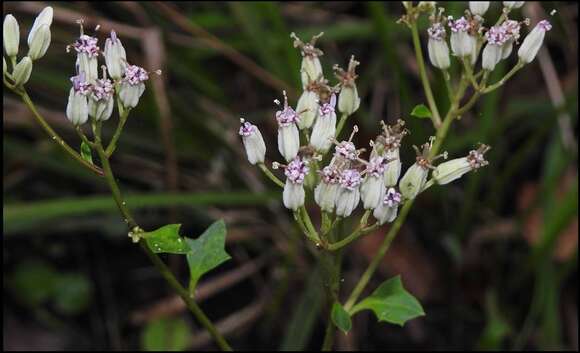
{"x": 86, "y": 152}
{"x": 72, "y": 293}
{"x": 207, "y": 252}
{"x": 341, "y": 318}
{"x": 166, "y": 240}
{"x": 165, "y": 335}
{"x": 421, "y": 111}
{"x": 391, "y": 303}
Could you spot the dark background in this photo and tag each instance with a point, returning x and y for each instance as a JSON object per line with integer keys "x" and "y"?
{"x": 492, "y": 257}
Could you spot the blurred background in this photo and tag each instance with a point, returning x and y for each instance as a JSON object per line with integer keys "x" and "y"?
{"x": 492, "y": 257}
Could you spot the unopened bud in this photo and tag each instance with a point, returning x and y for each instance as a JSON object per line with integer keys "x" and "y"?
{"x": 22, "y": 71}
{"x": 39, "y": 43}
{"x": 413, "y": 181}
{"x": 11, "y": 35}
{"x": 478, "y": 7}
{"x": 115, "y": 56}
{"x": 373, "y": 187}
{"x": 393, "y": 168}
{"x": 324, "y": 126}
{"x": 307, "y": 107}
{"x": 348, "y": 99}
{"x": 348, "y": 195}
{"x": 43, "y": 18}
{"x": 454, "y": 169}
{"x": 437, "y": 47}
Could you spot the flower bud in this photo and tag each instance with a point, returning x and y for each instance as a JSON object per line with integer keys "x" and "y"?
{"x": 288, "y": 136}
{"x": 533, "y": 41}
{"x": 348, "y": 193}
{"x": 88, "y": 51}
{"x": 253, "y": 142}
{"x": 326, "y": 192}
{"x": 77, "y": 108}
{"x": 43, "y": 18}
{"x": 11, "y": 35}
{"x": 311, "y": 69}
{"x": 39, "y": 43}
{"x": 115, "y": 56}
{"x": 437, "y": 47}
{"x": 307, "y": 108}
{"x": 373, "y": 187}
{"x": 132, "y": 86}
{"x": 324, "y": 126}
{"x": 492, "y": 53}
{"x": 386, "y": 211}
{"x": 478, "y": 7}
{"x": 22, "y": 71}
{"x": 454, "y": 169}
{"x": 462, "y": 43}
{"x": 101, "y": 101}
{"x": 413, "y": 181}
{"x": 348, "y": 99}
{"x": 293, "y": 195}
{"x": 513, "y": 4}
{"x": 512, "y": 29}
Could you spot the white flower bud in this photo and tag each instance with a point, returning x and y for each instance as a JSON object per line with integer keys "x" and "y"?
{"x": 513, "y": 4}
{"x": 393, "y": 168}
{"x": 288, "y": 141}
{"x": 77, "y": 108}
{"x": 413, "y": 181}
{"x": 373, "y": 187}
{"x": 512, "y": 31}
{"x": 533, "y": 41}
{"x": 454, "y": 169}
{"x": 386, "y": 211}
{"x": 22, "y": 71}
{"x": 89, "y": 65}
{"x": 115, "y": 56}
{"x": 293, "y": 195}
{"x": 40, "y": 43}
{"x": 506, "y": 48}
{"x": 348, "y": 194}
{"x": 311, "y": 69}
{"x": 253, "y": 142}
{"x": 462, "y": 43}
{"x": 491, "y": 56}
{"x": 43, "y": 18}
{"x": 438, "y": 53}
{"x": 324, "y": 126}
{"x": 307, "y": 108}
{"x": 11, "y": 35}
{"x": 478, "y": 7}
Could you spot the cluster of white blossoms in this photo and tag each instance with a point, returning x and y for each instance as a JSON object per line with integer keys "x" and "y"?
{"x": 38, "y": 43}
{"x": 342, "y": 181}
{"x": 94, "y": 96}
{"x": 468, "y": 34}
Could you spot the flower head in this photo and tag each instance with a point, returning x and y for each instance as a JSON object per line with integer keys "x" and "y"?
{"x": 330, "y": 175}
{"x": 392, "y": 198}
{"x": 87, "y": 44}
{"x": 376, "y": 166}
{"x": 476, "y": 157}
{"x": 247, "y": 129}
{"x": 296, "y": 170}
{"x": 103, "y": 89}
{"x": 134, "y": 75}
{"x": 328, "y": 108}
{"x": 497, "y": 35}
{"x": 459, "y": 25}
{"x": 437, "y": 31}
{"x": 350, "y": 179}
{"x": 80, "y": 84}
{"x": 287, "y": 116}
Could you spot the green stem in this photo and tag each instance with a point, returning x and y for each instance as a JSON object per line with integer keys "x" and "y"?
{"x": 447, "y": 79}
{"x": 270, "y": 175}
{"x": 352, "y": 237}
{"x": 159, "y": 264}
{"x": 332, "y": 262}
{"x": 308, "y": 223}
{"x": 504, "y": 79}
{"x": 469, "y": 72}
{"x": 123, "y": 114}
{"x": 424, "y": 79}
{"x": 378, "y": 256}
{"x": 55, "y": 137}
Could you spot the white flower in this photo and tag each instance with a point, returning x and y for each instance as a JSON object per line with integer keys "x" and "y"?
{"x": 386, "y": 211}
{"x": 101, "y": 100}
{"x": 373, "y": 186}
{"x": 413, "y": 181}
{"x": 462, "y": 43}
{"x": 497, "y": 37}
{"x": 437, "y": 46}
{"x": 43, "y": 18}
{"x": 393, "y": 168}
{"x": 39, "y": 43}
{"x": 77, "y": 109}
{"x": 288, "y": 135}
{"x": 293, "y": 195}
{"x": 132, "y": 85}
{"x": 348, "y": 99}
{"x": 326, "y": 192}
{"x": 513, "y": 4}
{"x": 533, "y": 41}
{"x": 115, "y": 56}
{"x": 253, "y": 142}
{"x": 479, "y": 7}
{"x": 325, "y": 126}
{"x": 454, "y": 169}
{"x": 11, "y": 35}
{"x": 348, "y": 193}
{"x": 307, "y": 108}
{"x": 311, "y": 69}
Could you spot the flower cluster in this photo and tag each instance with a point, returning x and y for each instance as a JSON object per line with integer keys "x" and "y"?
{"x": 94, "y": 97}
{"x": 467, "y": 32}
{"x": 346, "y": 179}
